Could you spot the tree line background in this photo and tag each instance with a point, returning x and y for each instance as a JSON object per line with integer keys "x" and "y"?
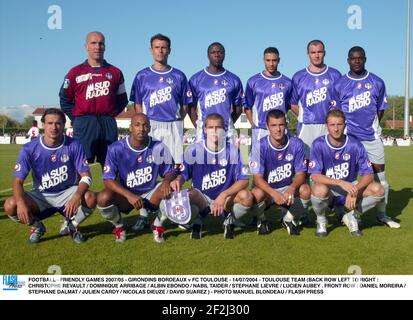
{"x": 9, "y": 125}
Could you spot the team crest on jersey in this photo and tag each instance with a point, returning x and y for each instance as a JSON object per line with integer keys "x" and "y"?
{"x": 289, "y": 157}
{"x": 180, "y": 167}
{"x": 169, "y": 80}
{"x": 346, "y": 156}
{"x": 17, "y": 167}
{"x": 223, "y": 162}
{"x": 224, "y": 82}
{"x": 215, "y": 81}
{"x": 66, "y": 84}
{"x": 280, "y": 156}
{"x": 359, "y": 85}
{"x": 214, "y": 161}
{"x": 106, "y": 168}
{"x": 273, "y": 85}
{"x": 245, "y": 170}
{"x": 253, "y": 164}
{"x": 281, "y": 86}
{"x": 317, "y": 81}
{"x": 64, "y": 158}
{"x": 337, "y": 155}
{"x": 149, "y": 159}
{"x": 326, "y": 82}
{"x": 311, "y": 164}
{"x": 368, "y": 86}
{"x": 140, "y": 158}
{"x": 108, "y": 75}
{"x": 160, "y": 79}
{"x": 189, "y": 93}
{"x": 53, "y": 157}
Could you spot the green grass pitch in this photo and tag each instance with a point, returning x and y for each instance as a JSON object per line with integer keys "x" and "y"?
{"x": 380, "y": 251}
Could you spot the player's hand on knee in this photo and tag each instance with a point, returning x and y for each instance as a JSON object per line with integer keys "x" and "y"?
{"x": 72, "y": 205}
{"x": 136, "y": 201}
{"x": 23, "y": 213}
{"x": 175, "y": 185}
{"x": 279, "y": 198}
{"x": 351, "y": 202}
{"x": 350, "y": 188}
{"x": 219, "y": 205}
{"x": 166, "y": 190}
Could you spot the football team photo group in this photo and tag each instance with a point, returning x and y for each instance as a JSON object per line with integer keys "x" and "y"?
{"x": 332, "y": 164}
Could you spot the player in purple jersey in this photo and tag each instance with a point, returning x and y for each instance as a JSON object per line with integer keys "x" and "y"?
{"x": 162, "y": 93}
{"x": 361, "y": 95}
{"x": 279, "y": 167}
{"x": 215, "y": 90}
{"x": 61, "y": 180}
{"x": 219, "y": 179}
{"x": 311, "y": 98}
{"x": 336, "y": 161}
{"x": 130, "y": 177}
{"x": 266, "y": 91}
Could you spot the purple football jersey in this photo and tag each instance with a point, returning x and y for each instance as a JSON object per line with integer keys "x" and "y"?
{"x": 137, "y": 170}
{"x": 278, "y": 166}
{"x": 216, "y": 93}
{"x": 264, "y": 93}
{"x": 339, "y": 163}
{"x": 161, "y": 93}
{"x": 312, "y": 92}
{"x": 54, "y": 169}
{"x": 213, "y": 172}
{"x": 361, "y": 99}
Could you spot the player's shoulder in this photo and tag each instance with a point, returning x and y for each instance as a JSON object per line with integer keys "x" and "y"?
{"x": 197, "y": 75}
{"x": 79, "y": 68}
{"x": 143, "y": 72}
{"x": 30, "y": 146}
{"x": 375, "y": 78}
{"x": 254, "y": 77}
{"x": 111, "y": 66}
{"x": 232, "y": 75}
{"x": 354, "y": 142}
{"x": 296, "y": 142}
{"x": 178, "y": 72}
{"x": 319, "y": 141}
{"x": 299, "y": 74}
{"x": 285, "y": 78}
{"x": 334, "y": 71}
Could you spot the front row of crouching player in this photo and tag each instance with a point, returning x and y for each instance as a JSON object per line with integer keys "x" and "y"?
{"x": 61, "y": 179}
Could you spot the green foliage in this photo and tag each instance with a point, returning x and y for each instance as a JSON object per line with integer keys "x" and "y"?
{"x": 397, "y": 103}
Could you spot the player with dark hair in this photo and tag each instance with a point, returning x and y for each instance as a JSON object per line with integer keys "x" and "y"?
{"x": 361, "y": 95}
{"x": 336, "y": 161}
{"x": 92, "y": 95}
{"x": 61, "y": 180}
{"x": 266, "y": 91}
{"x": 219, "y": 179}
{"x": 215, "y": 90}
{"x": 162, "y": 92}
{"x": 278, "y": 164}
{"x": 33, "y": 132}
{"x": 130, "y": 177}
